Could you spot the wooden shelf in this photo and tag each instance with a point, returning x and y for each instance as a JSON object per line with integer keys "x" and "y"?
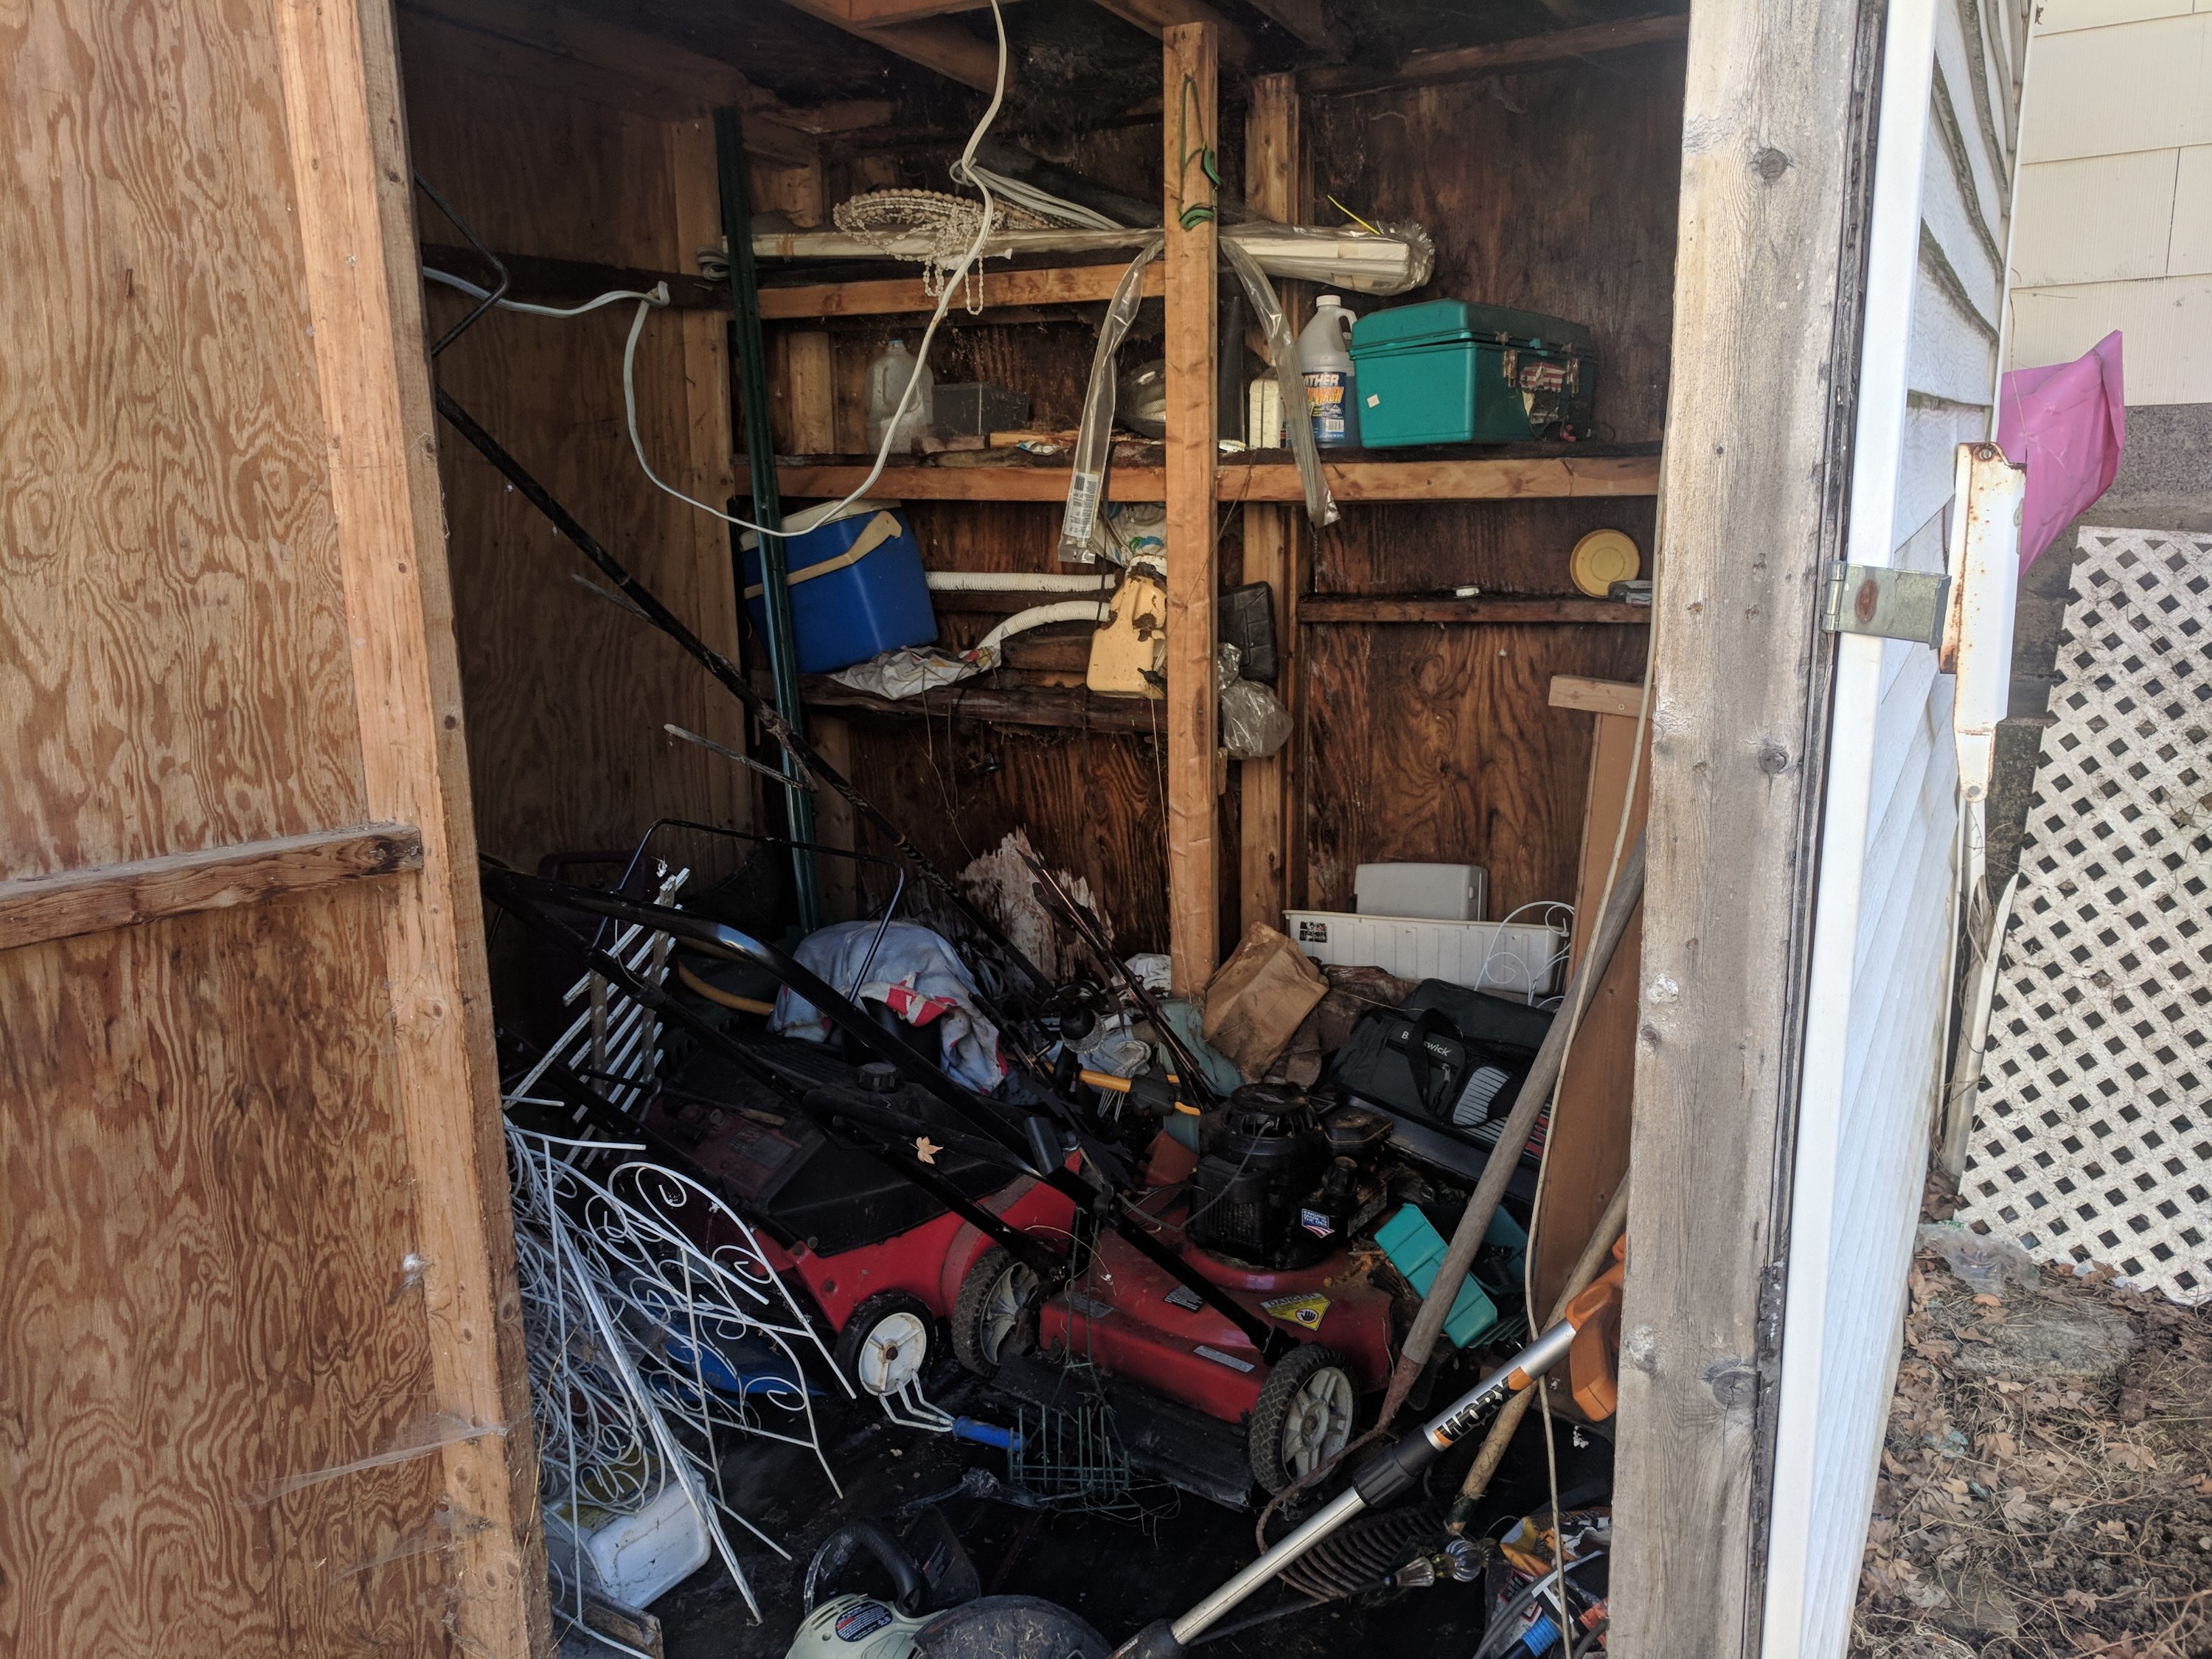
{"x": 890, "y": 296}
{"x": 982, "y": 701}
{"x": 1620, "y": 470}
{"x": 1327, "y": 608}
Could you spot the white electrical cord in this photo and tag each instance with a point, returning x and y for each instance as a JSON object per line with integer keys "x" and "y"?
{"x": 659, "y": 297}
{"x": 964, "y": 167}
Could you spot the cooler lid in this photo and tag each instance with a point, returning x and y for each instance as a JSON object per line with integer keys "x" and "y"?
{"x": 813, "y": 517}
{"x": 1444, "y": 321}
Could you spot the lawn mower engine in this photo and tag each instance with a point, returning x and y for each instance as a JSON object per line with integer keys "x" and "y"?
{"x": 1281, "y": 1175}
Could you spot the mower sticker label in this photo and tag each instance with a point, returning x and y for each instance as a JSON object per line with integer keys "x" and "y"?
{"x": 1186, "y": 1298}
{"x": 1088, "y": 1307}
{"x": 1306, "y": 1311}
{"x": 1315, "y": 1223}
{"x": 1221, "y": 1358}
{"x": 856, "y": 1622}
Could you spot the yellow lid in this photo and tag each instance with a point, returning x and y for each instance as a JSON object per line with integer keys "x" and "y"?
{"x": 1602, "y": 558}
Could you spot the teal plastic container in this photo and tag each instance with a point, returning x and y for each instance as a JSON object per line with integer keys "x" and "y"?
{"x": 1451, "y": 373}
{"x": 1417, "y": 1250}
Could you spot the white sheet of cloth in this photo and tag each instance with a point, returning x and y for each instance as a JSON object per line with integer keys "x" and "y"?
{"x": 915, "y": 974}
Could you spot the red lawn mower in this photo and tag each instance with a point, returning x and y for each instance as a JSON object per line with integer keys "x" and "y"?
{"x": 1218, "y": 1290}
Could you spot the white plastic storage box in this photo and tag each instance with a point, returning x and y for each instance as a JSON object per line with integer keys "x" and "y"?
{"x": 1482, "y": 955}
{"x": 1427, "y": 892}
{"x": 635, "y": 1556}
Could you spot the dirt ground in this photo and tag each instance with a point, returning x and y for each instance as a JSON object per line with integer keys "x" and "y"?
{"x": 2046, "y": 1485}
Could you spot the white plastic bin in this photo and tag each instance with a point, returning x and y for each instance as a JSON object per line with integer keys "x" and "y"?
{"x": 1482, "y": 955}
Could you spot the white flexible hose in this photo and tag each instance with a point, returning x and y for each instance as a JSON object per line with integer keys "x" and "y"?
{"x": 1038, "y": 615}
{"x": 1016, "y": 581}
{"x": 659, "y": 297}
{"x": 960, "y": 169}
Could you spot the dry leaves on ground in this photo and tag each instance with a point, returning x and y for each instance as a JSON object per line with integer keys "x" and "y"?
{"x": 2027, "y": 1507}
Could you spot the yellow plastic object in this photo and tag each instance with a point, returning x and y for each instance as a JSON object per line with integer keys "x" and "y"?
{"x": 1602, "y": 558}
{"x": 1132, "y": 642}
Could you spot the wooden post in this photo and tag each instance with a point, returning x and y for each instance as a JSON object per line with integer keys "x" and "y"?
{"x": 1778, "y": 114}
{"x": 1268, "y": 810}
{"x": 1187, "y": 96}
{"x": 339, "y": 77}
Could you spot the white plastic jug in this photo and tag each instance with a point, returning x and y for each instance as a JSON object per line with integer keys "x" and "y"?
{"x": 1325, "y": 355}
{"x": 887, "y": 382}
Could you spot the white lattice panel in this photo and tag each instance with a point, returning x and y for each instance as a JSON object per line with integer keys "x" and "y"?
{"x": 2092, "y": 1136}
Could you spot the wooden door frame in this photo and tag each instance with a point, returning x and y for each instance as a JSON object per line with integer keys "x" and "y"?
{"x": 1777, "y": 179}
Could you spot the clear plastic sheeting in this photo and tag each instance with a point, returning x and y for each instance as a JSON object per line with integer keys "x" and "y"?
{"x": 1290, "y": 375}
{"x": 1253, "y": 722}
{"x": 1094, "y": 441}
{"x": 1397, "y": 260}
{"x": 1086, "y": 487}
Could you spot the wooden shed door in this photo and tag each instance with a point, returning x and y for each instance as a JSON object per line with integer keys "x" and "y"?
{"x": 260, "y": 1383}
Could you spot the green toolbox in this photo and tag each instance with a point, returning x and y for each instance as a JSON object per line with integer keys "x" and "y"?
{"x": 1451, "y": 373}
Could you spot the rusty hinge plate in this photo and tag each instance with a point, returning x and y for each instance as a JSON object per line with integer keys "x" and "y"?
{"x": 1893, "y": 604}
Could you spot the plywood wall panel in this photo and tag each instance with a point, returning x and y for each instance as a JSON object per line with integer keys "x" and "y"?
{"x": 170, "y": 619}
{"x": 204, "y": 1207}
{"x": 1553, "y": 190}
{"x": 1434, "y": 742}
{"x": 1092, "y": 804}
{"x": 1504, "y": 548}
{"x": 567, "y": 695}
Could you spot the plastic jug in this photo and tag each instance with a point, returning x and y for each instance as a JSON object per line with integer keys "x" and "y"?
{"x": 887, "y": 383}
{"x": 1325, "y": 355}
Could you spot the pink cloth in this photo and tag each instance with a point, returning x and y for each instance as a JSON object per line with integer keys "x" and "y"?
{"x": 2065, "y": 424}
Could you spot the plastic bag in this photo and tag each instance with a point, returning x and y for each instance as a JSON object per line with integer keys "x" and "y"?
{"x": 1289, "y": 376}
{"x": 1982, "y": 1261}
{"x": 1094, "y": 441}
{"x": 1253, "y": 722}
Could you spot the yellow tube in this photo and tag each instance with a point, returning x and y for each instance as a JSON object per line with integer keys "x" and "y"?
{"x": 742, "y": 1005}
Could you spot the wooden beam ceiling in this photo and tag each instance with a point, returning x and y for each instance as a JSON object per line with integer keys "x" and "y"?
{"x": 580, "y": 56}
{"x": 1155, "y": 17}
{"x": 935, "y": 42}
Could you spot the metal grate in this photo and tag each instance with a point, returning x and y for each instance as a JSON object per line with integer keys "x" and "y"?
{"x": 2093, "y": 1135}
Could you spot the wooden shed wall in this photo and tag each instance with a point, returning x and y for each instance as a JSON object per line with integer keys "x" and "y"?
{"x": 1552, "y": 188}
{"x": 567, "y": 695}
{"x": 260, "y": 1369}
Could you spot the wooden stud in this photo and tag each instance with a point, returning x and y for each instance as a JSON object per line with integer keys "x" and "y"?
{"x": 373, "y": 377}
{"x": 1597, "y": 696}
{"x": 1267, "y": 814}
{"x": 69, "y": 903}
{"x": 809, "y": 389}
{"x": 1189, "y": 89}
{"x": 710, "y": 472}
{"x": 1766, "y": 322}
{"x": 1530, "y": 479}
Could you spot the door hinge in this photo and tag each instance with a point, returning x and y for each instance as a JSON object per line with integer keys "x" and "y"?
{"x": 1893, "y": 604}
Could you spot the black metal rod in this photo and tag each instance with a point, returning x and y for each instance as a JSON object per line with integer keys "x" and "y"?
{"x": 727, "y": 676}
{"x": 521, "y": 894}
{"x": 894, "y": 1155}
{"x": 750, "y": 370}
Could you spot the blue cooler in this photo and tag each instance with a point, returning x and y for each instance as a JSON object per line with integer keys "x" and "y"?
{"x": 857, "y": 587}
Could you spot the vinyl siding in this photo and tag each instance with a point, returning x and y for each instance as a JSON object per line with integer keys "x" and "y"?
{"x": 1884, "y": 923}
